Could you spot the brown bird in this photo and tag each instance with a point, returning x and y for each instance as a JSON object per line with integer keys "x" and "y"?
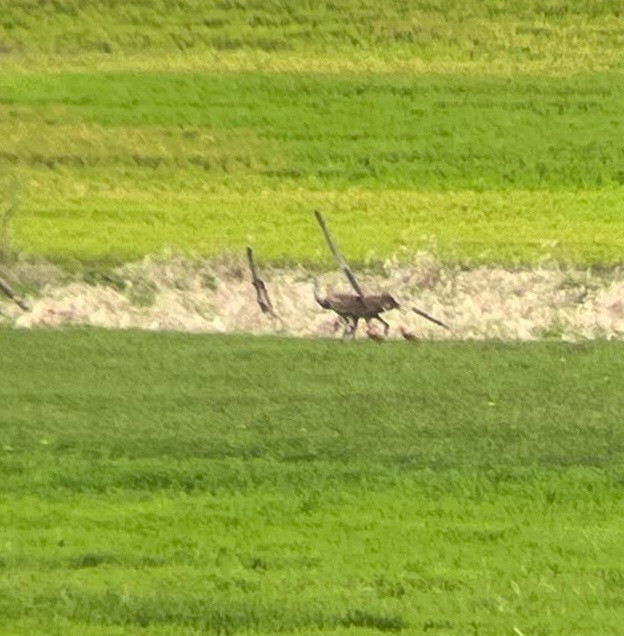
{"x": 352, "y": 308}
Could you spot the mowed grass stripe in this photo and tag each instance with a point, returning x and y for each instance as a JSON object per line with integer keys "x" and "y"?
{"x": 119, "y": 165}
{"x": 543, "y": 552}
{"x": 443, "y": 132}
{"x": 124, "y": 215}
{"x": 167, "y": 483}
{"x": 352, "y": 62}
{"x": 430, "y": 405}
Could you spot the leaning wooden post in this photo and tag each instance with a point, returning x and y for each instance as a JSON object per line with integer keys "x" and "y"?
{"x": 6, "y": 288}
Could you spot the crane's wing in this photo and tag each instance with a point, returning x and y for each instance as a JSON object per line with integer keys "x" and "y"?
{"x": 342, "y": 264}
{"x": 4, "y": 287}
{"x": 264, "y": 301}
{"x": 425, "y": 315}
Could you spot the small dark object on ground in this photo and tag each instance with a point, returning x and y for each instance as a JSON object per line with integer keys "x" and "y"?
{"x": 408, "y": 335}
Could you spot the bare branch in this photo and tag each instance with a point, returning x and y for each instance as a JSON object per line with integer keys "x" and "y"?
{"x": 425, "y": 315}
{"x": 5, "y": 287}
{"x": 264, "y": 301}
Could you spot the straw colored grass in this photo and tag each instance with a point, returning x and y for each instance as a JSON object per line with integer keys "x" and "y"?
{"x": 180, "y": 294}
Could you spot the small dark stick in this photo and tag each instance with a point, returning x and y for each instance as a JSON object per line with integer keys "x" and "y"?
{"x": 263, "y": 295}
{"x": 425, "y": 315}
{"x": 4, "y": 286}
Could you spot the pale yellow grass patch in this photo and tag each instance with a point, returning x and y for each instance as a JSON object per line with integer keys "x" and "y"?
{"x": 217, "y": 297}
{"x": 91, "y": 144}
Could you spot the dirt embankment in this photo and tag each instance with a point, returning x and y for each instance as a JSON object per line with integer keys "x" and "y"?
{"x": 175, "y": 293}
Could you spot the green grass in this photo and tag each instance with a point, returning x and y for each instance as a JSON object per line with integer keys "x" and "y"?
{"x": 486, "y": 131}
{"x": 550, "y": 35}
{"x": 393, "y": 131}
{"x": 121, "y": 165}
{"x": 166, "y": 484}
{"x": 205, "y": 395}
{"x": 186, "y": 484}
{"x": 106, "y": 219}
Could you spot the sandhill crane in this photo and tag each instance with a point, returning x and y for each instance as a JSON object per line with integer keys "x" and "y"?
{"x": 353, "y": 307}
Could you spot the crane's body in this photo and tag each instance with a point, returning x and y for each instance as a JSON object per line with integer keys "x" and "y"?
{"x": 352, "y": 308}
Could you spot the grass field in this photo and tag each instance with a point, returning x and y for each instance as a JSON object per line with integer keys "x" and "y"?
{"x": 121, "y": 167}
{"x": 554, "y": 36}
{"x": 484, "y": 131}
{"x": 184, "y": 484}
{"x": 179, "y": 484}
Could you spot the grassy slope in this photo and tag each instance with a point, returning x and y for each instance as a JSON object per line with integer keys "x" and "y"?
{"x": 485, "y": 128}
{"x": 459, "y": 488}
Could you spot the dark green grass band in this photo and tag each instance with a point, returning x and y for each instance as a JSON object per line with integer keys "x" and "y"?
{"x": 170, "y": 484}
{"x": 434, "y": 405}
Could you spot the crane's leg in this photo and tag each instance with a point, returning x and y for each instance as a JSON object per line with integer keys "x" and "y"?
{"x": 355, "y": 326}
{"x": 347, "y": 328}
{"x": 385, "y": 324}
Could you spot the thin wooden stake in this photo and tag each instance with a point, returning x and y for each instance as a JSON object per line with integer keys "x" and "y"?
{"x": 5, "y": 287}
{"x": 264, "y": 302}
